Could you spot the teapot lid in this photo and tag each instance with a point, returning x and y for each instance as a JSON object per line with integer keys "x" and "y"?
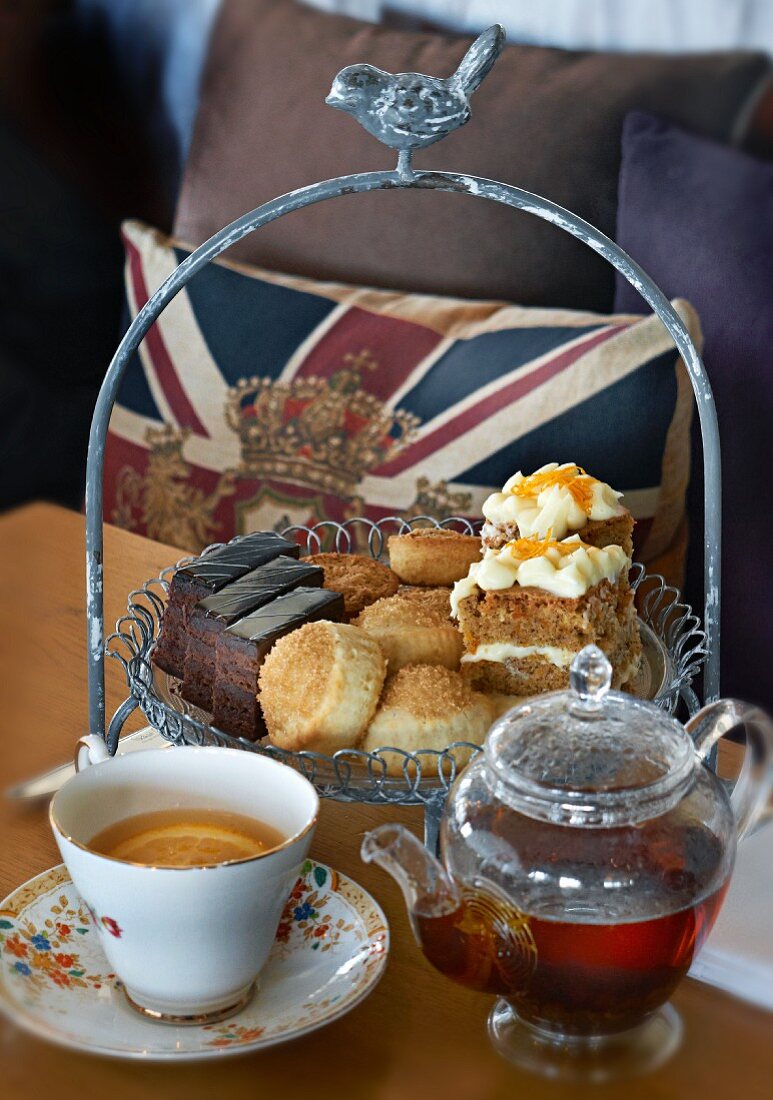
{"x": 589, "y": 756}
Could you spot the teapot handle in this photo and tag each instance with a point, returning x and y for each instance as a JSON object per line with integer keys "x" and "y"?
{"x": 754, "y": 784}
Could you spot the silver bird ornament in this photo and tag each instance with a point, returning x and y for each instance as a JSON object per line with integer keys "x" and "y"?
{"x": 409, "y": 111}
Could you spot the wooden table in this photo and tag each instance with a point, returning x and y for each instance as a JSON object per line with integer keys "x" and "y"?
{"x": 417, "y": 1035}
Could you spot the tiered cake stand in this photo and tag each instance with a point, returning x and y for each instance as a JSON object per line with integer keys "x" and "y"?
{"x": 673, "y": 649}
{"x": 669, "y": 629}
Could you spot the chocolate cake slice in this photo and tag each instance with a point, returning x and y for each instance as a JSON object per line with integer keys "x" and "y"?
{"x": 203, "y": 577}
{"x": 207, "y": 618}
{"x": 241, "y": 647}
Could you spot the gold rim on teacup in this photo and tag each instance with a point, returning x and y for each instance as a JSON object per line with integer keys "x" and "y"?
{"x": 194, "y": 1020}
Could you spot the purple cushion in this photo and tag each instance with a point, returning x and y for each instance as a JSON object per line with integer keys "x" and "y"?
{"x": 698, "y": 217}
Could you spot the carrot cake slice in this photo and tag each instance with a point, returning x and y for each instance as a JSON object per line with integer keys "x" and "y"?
{"x": 528, "y": 608}
{"x": 557, "y": 501}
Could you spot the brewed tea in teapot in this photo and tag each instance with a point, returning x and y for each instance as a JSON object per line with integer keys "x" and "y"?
{"x": 585, "y": 856}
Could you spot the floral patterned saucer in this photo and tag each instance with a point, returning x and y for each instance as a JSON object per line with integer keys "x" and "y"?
{"x": 329, "y": 953}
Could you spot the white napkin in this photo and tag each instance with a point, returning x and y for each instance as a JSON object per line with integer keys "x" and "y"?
{"x": 738, "y": 955}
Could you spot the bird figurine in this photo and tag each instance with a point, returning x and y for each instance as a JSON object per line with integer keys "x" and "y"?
{"x": 408, "y": 111}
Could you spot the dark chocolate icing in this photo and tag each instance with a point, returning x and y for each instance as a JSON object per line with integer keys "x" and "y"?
{"x": 215, "y": 570}
{"x": 285, "y": 613}
{"x": 260, "y": 587}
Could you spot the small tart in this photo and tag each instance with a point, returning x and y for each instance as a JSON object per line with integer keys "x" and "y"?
{"x": 360, "y": 579}
{"x": 427, "y": 707}
{"x": 319, "y": 687}
{"x": 414, "y": 630}
{"x": 432, "y": 555}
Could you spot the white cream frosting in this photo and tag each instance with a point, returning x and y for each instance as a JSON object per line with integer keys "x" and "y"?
{"x": 499, "y": 652}
{"x": 567, "y": 569}
{"x": 552, "y": 509}
{"x": 464, "y": 588}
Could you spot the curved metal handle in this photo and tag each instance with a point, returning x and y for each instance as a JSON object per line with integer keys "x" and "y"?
{"x": 754, "y": 784}
{"x": 117, "y": 723}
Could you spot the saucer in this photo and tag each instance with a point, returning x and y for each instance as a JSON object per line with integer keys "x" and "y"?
{"x": 330, "y": 951}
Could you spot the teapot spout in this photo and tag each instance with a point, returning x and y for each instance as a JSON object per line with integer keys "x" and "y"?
{"x": 472, "y": 935}
{"x": 427, "y": 889}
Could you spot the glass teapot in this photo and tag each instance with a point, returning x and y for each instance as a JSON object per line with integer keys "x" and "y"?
{"x": 585, "y": 856}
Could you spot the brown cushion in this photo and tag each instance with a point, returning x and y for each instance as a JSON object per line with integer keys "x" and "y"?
{"x": 548, "y": 120}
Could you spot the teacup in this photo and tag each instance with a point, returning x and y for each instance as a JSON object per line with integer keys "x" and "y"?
{"x": 186, "y": 942}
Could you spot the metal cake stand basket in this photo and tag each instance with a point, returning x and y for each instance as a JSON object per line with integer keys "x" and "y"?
{"x": 405, "y": 112}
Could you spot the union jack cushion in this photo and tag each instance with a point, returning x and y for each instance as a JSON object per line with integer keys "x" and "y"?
{"x": 259, "y": 400}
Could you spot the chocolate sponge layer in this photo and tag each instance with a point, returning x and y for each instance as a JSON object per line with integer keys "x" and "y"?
{"x": 209, "y": 617}
{"x": 205, "y": 576}
{"x": 241, "y": 648}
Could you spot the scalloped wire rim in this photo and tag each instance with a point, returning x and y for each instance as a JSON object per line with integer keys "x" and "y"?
{"x": 352, "y": 775}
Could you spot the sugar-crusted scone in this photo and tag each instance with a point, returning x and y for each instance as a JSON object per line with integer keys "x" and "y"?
{"x": 412, "y": 630}
{"x": 439, "y": 599}
{"x": 427, "y": 707}
{"x": 319, "y": 687}
{"x": 360, "y": 579}
{"x": 432, "y": 555}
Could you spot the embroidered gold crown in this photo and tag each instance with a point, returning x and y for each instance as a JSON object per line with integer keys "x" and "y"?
{"x": 322, "y": 432}
{"x": 166, "y": 440}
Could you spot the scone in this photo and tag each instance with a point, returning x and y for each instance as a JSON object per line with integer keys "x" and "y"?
{"x": 414, "y": 631}
{"x": 319, "y": 687}
{"x": 439, "y": 599}
{"x": 427, "y": 707}
{"x": 360, "y": 579}
{"x": 432, "y": 555}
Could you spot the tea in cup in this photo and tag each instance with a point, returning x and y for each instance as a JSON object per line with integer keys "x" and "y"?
{"x": 185, "y": 860}
{"x": 186, "y": 837}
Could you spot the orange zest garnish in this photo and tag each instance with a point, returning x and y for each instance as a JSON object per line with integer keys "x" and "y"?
{"x": 572, "y": 478}
{"x": 534, "y": 547}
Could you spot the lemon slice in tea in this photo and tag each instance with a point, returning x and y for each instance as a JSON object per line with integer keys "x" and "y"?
{"x": 186, "y": 844}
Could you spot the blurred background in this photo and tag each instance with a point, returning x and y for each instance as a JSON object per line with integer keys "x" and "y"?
{"x": 107, "y": 113}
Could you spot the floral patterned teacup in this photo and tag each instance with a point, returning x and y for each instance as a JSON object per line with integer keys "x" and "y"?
{"x": 187, "y": 943}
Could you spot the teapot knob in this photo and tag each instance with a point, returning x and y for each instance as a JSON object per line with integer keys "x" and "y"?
{"x": 590, "y": 677}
